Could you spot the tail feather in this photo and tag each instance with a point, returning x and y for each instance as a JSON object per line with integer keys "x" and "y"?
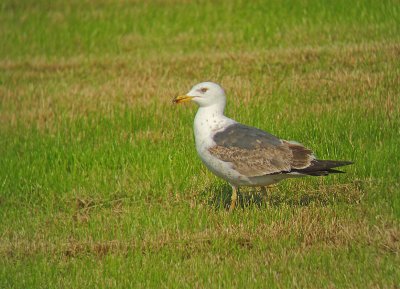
{"x": 323, "y": 167}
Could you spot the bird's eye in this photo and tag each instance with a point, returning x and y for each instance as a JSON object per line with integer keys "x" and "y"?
{"x": 204, "y": 89}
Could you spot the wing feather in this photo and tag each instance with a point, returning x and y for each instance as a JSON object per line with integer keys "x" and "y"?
{"x": 254, "y": 152}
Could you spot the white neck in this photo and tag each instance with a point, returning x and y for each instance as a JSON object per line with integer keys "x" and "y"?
{"x": 208, "y": 120}
{"x": 214, "y": 109}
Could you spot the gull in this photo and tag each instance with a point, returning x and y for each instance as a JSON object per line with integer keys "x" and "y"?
{"x": 244, "y": 155}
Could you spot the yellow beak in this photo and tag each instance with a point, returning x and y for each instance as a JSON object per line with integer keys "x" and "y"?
{"x": 182, "y": 98}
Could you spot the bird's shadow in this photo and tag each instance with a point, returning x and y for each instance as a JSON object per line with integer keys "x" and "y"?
{"x": 219, "y": 197}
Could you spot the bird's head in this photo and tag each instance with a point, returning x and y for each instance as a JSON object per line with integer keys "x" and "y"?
{"x": 204, "y": 94}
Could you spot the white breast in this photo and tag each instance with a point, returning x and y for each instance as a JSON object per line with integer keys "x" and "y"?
{"x": 206, "y": 124}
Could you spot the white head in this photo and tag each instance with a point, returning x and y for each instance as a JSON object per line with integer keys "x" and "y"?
{"x": 205, "y": 94}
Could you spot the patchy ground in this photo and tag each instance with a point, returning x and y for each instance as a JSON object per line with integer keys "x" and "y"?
{"x": 100, "y": 184}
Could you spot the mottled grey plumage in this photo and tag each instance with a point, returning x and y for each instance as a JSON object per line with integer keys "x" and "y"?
{"x": 243, "y": 155}
{"x": 246, "y": 137}
{"x": 254, "y": 152}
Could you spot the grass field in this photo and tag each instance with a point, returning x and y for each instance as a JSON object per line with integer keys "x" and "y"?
{"x": 100, "y": 184}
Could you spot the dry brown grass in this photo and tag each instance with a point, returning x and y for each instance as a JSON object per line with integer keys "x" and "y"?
{"x": 30, "y": 95}
{"x": 310, "y": 229}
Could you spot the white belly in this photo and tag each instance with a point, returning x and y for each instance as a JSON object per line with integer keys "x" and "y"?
{"x": 225, "y": 171}
{"x": 204, "y": 128}
{"x": 222, "y": 169}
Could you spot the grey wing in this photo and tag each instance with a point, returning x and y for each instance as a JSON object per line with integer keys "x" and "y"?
{"x": 254, "y": 152}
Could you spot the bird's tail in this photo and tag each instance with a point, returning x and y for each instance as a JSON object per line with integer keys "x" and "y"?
{"x": 323, "y": 167}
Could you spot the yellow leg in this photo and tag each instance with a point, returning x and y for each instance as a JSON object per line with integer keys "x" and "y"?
{"x": 264, "y": 191}
{"x": 264, "y": 194}
{"x": 233, "y": 199}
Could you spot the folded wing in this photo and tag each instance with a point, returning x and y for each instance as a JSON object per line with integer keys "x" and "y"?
{"x": 254, "y": 152}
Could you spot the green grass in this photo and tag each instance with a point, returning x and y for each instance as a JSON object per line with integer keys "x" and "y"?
{"x": 100, "y": 184}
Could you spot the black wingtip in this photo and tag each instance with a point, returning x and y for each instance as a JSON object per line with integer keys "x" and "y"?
{"x": 324, "y": 167}
{"x": 329, "y": 164}
{"x": 332, "y": 171}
